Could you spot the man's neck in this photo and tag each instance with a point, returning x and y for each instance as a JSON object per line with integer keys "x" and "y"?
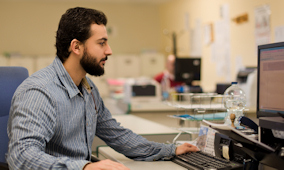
{"x": 75, "y": 70}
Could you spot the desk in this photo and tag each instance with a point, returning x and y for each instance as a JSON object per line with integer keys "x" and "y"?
{"x": 109, "y": 153}
{"x": 150, "y": 130}
{"x": 118, "y": 106}
{"x": 145, "y": 106}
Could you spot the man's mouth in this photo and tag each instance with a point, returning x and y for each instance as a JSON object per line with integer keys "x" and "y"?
{"x": 103, "y": 61}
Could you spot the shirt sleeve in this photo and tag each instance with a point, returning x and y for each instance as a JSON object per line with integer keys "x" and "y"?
{"x": 127, "y": 142}
{"x": 159, "y": 77}
{"x": 30, "y": 127}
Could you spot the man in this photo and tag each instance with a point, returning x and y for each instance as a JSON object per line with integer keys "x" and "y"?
{"x": 57, "y": 111}
{"x": 169, "y": 73}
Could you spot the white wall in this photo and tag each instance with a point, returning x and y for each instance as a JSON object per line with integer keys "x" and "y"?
{"x": 242, "y": 36}
{"x": 29, "y": 27}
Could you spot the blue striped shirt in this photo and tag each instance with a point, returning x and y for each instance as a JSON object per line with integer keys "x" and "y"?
{"x": 52, "y": 124}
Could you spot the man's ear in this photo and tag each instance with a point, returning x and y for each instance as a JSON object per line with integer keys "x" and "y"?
{"x": 75, "y": 46}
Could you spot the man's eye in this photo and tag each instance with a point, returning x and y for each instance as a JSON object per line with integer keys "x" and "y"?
{"x": 102, "y": 43}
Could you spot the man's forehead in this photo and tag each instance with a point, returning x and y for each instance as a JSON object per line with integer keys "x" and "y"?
{"x": 98, "y": 31}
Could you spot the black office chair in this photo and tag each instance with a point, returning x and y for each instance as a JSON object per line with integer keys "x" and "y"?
{"x": 10, "y": 79}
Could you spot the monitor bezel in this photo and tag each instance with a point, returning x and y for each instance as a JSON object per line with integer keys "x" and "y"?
{"x": 258, "y": 112}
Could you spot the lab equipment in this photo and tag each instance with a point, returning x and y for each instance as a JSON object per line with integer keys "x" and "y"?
{"x": 247, "y": 81}
{"x": 141, "y": 90}
{"x": 264, "y": 153}
{"x": 165, "y": 85}
{"x": 234, "y": 102}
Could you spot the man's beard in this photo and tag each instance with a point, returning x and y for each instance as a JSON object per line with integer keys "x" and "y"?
{"x": 91, "y": 65}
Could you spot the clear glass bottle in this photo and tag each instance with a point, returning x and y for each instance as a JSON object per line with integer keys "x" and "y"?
{"x": 165, "y": 85}
{"x": 234, "y": 102}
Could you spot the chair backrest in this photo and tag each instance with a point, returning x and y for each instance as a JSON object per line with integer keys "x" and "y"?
{"x": 10, "y": 79}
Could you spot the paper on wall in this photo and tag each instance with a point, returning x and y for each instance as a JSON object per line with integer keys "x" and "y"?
{"x": 279, "y": 34}
{"x": 262, "y": 25}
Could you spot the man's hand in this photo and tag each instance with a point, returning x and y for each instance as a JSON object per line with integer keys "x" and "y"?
{"x": 105, "y": 165}
{"x": 186, "y": 147}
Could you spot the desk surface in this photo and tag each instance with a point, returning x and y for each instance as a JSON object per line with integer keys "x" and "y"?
{"x": 150, "y": 130}
{"x": 109, "y": 153}
{"x": 150, "y": 106}
{"x": 143, "y": 126}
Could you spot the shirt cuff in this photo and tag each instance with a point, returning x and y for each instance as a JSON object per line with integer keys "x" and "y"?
{"x": 173, "y": 150}
{"x": 168, "y": 153}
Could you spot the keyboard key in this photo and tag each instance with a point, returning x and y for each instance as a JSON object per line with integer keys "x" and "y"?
{"x": 201, "y": 160}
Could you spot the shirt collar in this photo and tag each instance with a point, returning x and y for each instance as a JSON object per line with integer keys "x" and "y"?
{"x": 67, "y": 81}
{"x": 86, "y": 85}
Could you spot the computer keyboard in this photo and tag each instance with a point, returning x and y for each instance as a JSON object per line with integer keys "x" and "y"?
{"x": 201, "y": 160}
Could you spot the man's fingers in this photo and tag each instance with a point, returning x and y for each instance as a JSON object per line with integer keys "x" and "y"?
{"x": 192, "y": 147}
{"x": 186, "y": 147}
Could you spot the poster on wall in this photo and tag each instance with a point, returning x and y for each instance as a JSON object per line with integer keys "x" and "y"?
{"x": 279, "y": 34}
{"x": 221, "y": 48}
{"x": 208, "y": 34}
{"x": 262, "y": 25}
{"x": 195, "y": 40}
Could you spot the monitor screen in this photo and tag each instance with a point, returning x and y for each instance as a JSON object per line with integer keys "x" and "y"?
{"x": 270, "y": 85}
{"x": 145, "y": 90}
{"x": 187, "y": 69}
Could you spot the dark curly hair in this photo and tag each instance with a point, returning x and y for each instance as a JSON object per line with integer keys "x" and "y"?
{"x": 75, "y": 24}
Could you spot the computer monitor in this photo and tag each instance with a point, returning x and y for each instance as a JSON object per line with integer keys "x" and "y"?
{"x": 270, "y": 82}
{"x": 187, "y": 69}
